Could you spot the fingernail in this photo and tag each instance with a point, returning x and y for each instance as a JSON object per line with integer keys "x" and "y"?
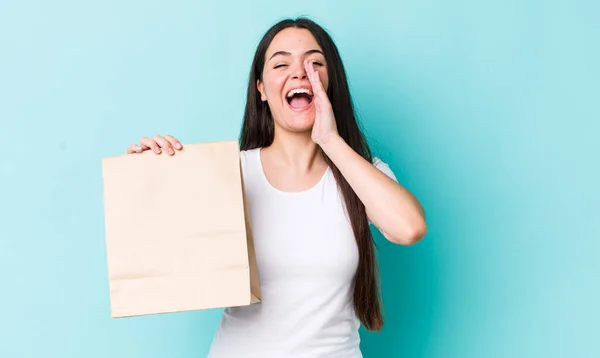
{"x": 171, "y": 151}
{"x": 157, "y": 150}
{"x": 178, "y": 146}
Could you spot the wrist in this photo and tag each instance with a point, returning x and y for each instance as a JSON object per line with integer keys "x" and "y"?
{"x": 332, "y": 145}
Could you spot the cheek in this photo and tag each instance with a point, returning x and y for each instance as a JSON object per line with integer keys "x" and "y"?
{"x": 273, "y": 85}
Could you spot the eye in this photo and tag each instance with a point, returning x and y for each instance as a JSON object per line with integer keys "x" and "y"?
{"x": 317, "y": 63}
{"x": 280, "y": 65}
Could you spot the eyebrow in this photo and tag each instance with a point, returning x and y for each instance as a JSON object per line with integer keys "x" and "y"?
{"x": 285, "y": 53}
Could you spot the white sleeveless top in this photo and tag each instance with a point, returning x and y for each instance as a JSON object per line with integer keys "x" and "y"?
{"x": 307, "y": 257}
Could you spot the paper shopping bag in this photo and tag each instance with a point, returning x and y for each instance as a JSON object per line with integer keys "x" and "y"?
{"x": 178, "y": 236}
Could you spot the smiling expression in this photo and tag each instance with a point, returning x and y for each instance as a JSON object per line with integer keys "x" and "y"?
{"x": 285, "y": 85}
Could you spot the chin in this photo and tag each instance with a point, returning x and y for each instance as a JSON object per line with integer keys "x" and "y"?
{"x": 299, "y": 123}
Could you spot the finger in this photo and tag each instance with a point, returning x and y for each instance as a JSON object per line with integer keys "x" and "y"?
{"x": 315, "y": 81}
{"x": 309, "y": 71}
{"x": 134, "y": 148}
{"x": 164, "y": 144}
{"x": 174, "y": 142}
{"x": 318, "y": 84}
{"x": 150, "y": 144}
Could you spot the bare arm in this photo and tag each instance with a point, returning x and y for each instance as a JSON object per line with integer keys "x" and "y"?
{"x": 390, "y": 207}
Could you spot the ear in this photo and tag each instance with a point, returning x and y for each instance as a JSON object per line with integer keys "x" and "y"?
{"x": 261, "y": 88}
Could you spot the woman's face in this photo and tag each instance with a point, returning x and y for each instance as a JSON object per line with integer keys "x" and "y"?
{"x": 285, "y": 85}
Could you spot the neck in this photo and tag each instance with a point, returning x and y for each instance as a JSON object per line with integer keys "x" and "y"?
{"x": 297, "y": 151}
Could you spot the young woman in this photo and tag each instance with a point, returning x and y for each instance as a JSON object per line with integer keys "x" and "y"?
{"x": 312, "y": 188}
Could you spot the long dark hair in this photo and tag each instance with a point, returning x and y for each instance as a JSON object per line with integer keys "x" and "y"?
{"x": 258, "y": 130}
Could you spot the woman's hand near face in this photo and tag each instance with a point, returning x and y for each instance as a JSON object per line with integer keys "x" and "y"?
{"x": 325, "y": 127}
{"x": 157, "y": 144}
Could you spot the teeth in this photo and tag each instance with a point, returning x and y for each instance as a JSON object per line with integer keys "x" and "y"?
{"x": 299, "y": 90}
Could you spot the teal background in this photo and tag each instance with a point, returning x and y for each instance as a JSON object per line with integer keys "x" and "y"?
{"x": 487, "y": 111}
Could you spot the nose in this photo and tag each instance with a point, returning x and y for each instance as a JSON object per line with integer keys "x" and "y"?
{"x": 299, "y": 72}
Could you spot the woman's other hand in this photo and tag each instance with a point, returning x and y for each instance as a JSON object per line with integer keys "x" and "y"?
{"x": 157, "y": 144}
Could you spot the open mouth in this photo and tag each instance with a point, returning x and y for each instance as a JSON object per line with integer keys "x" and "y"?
{"x": 300, "y": 98}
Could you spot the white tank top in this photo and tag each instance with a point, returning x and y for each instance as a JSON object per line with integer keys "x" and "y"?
{"x": 307, "y": 257}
